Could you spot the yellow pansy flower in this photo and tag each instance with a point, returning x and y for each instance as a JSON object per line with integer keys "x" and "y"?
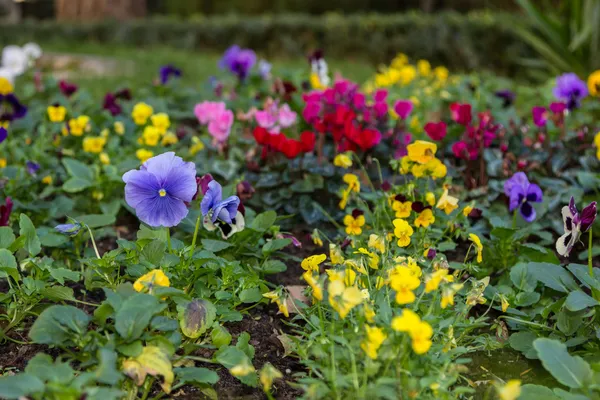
{"x": 268, "y": 374}
{"x": 161, "y": 122}
{"x": 143, "y": 154}
{"x": 425, "y": 218}
{"x": 352, "y": 181}
{"x": 3, "y": 163}
{"x": 342, "y": 298}
{"x": 405, "y": 322}
{"x": 421, "y": 337}
{"x": 402, "y": 209}
{"x": 141, "y": 112}
{"x": 79, "y": 125}
{"x": 335, "y": 254}
{"x": 424, "y": 67}
{"x": 47, "y": 180}
{"x": 275, "y": 297}
{"x": 5, "y": 86}
{"x": 119, "y": 127}
{"x": 403, "y": 231}
{"x": 430, "y": 198}
{"x": 510, "y": 391}
{"x": 376, "y": 242}
{"x": 93, "y": 144}
{"x": 168, "y": 139}
{"x": 448, "y": 295}
{"x": 594, "y": 83}
{"x": 151, "y": 136}
{"x": 148, "y": 281}
{"x": 343, "y": 161}
{"x": 317, "y": 291}
{"x": 374, "y": 340}
{"x": 441, "y": 73}
{"x": 447, "y": 203}
{"x": 421, "y": 151}
{"x": 467, "y": 210}
{"x": 312, "y": 263}
{"x": 56, "y": 113}
{"x": 104, "y": 159}
{"x": 436, "y": 168}
{"x": 403, "y": 281}
{"x": 477, "y": 242}
{"x": 407, "y": 74}
{"x": 196, "y": 146}
{"x": 433, "y": 281}
{"x": 354, "y": 225}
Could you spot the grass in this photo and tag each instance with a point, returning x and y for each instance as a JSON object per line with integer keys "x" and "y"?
{"x": 140, "y": 65}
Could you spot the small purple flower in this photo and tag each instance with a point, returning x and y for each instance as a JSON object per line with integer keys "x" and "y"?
{"x": 507, "y": 96}
{"x": 167, "y": 71}
{"x": 67, "y": 88}
{"x": 239, "y": 61}
{"x": 32, "y": 167}
{"x": 570, "y": 89}
{"x": 3, "y": 134}
{"x": 574, "y": 225}
{"x": 431, "y": 253}
{"x": 264, "y": 69}
{"x": 159, "y": 190}
{"x": 18, "y": 110}
{"x": 540, "y": 116}
{"x": 521, "y": 194}
{"x": 219, "y": 213}
{"x": 70, "y": 229}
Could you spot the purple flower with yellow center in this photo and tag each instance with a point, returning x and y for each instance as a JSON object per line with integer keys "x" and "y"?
{"x": 570, "y": 89}
{"x": 574, "y": 225}
{"x": 32, "y": 167}
{"x": 167, "y": 71}
{"x": 219, "y": 213}
{"x": 521, "y": 194}
{"x": 239, "y": 61}
{"x": 160, "y": 189}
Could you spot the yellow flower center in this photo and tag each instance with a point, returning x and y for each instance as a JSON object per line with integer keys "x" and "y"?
{"x": 162, "y": 192}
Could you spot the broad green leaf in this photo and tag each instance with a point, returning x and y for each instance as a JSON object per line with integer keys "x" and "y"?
{"x": 196, "y": 375}
{"x": 43, "y": 367}
{"x": 525, "y": 299}
{"x": 263, "y": 221}
{"x": 8, "y": 265}
{"x": 163, "y": 324}
{"x": 60, "y": 274}
{"x": 74, "y": 185}
{"x": 27, "y": 229}
{"x": 522, "y": 278}
{"x": 134, "y": 315}
{"x": 578, "y": 300}
{"x": 276, "y": 244}
{"x": 220, "y": 336}
{"x": 251, "y": 295}
{"x": 582, "y": 273}
{"x": 215, "y": 245}
{"x": 536, "y": 392}
{"x": 523, "y": 342}
{"x": 58, "y": 325}
{"x": 154, "y": 252}
{"x": 20, "y": 386}
{"x": 107, "y": 371}
{"x": 78, "y": 169}
{"x": 231, "y": 357}
{"x": 553, "y": 276}
{"x": 195, "y": 317}
{"x": 58, "y": 293}
{"x": 566, "y": 369}
{"x": 273, "y": 267}
{"x": 7, "y": 237}
{"x": 243, "y": 344}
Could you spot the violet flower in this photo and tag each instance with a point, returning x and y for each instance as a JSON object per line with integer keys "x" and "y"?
{"x": 570, "y": 89}
{"x": 17, "y": 109}
{"x": 160, "y": 189}
{"x": 5, "y": 210}
{"x": 264, "y": 69}
{"x": 167, "y": 71}
{"x": 219, "y": 213}
{"x": 110, "y": 104}
{"x": 3, "y": 134}
{"x": 32, "y": 167}
{"x": 574, "y": 225}
{"x": 521, "y": 194}
{"x": 238, "y": 61}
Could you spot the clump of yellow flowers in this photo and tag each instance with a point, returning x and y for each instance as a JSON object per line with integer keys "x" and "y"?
{"x": 421, "y": 161}
{"x": 155, "y": 130}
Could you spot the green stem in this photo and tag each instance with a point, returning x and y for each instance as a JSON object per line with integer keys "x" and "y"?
{"x": 514, "y": 220}
{"x": 591, "y": 268}
{"x": 168, "y": 239}
{"x": 93, "y": 242}
{"x": 195, "y": 236}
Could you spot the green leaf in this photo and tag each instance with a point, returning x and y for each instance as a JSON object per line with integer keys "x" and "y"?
{"x": 97, "y": 220}
{"x": 536, "y": 392}
{"x": 154, "y": 252}
{"x": 273, "y": 267}
{"x": 78, "y": 169}
{"x": 135, "y": 314}
{"x": 163, "y": 324}
{"x": 582, "y": 273}
{"x": 107, "y": 371}
{"x": 196, "y": 375}
{"x": 553, "y": 276}
{"x": 566, "y": 369}
{"x": 522, "y": 278}
{"x": 251, "y": 295}
{"x": 525, "y": 299}
{"x": 196, "y": 317}
{"x": 229, "y": 357}
{"x": 220, "y": 337}
{"x": 58, "y": 293}
{"x": 74, "y": 185}
{"x": 8, "y": 265}
{"x": 52, "y": 239}
{"x": 60, "y": 274}
{"x": 43, "y": 367}
{"x": 523, "y": 342}
{"x": 27, "y": 229}
{"x": 276, "y": 244}
{"x": 58, "y": 325}
{"x": 215, "y": 245}
{"x": 19, "y": 386}
{"x": 7, "y": 237}
{"x": 578, "y": 300}
{"x": 243, "y": 344}
{"x": 263, "y": 221}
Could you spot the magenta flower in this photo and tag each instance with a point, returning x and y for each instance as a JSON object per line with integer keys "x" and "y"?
{"x": 540, "y": 116}
{"x": 558, "y": 107}
{"x": 403, "y": 108}
{"x": 461, "y": 113}
{"x": 5, "y": 211}
{"x": 574, "y": 225}
{"x": 436, "y": 130}
{"x": 160, "y": 189}
{"x": 521, "y": 194}
{"x": 265, "y": 118}
{"x": 208, "y": 110}
{"x": 220, "y": 126}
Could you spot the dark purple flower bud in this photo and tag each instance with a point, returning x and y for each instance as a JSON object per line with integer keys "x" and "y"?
{"x": 32, "y": 167}
{"x": 18, "y": 109}
{"x": 5, "y": 211}
{"x": 507, "y": 96}
{"x": 356, "y": 213}
{"x": 386, "y": 186}
{"x": 124, "y": 94}
{"x": 400, "y": 197}
{"x": 67, "y": 88}
{"x": 110, "y": 104}
{"x": 71, "y": 229}
{"x": 475, "y": 213}
{"x": 431, "y": 253}
{"x": 244, "y": 191}
{"x": 588, "y": 216}
{"x": 203, "y": 182}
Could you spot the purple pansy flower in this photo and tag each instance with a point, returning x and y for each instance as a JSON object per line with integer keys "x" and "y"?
{"x": 219, "y": 213}
{"x": 110, "y": 104}
{"x": 160, "y": 189}
{"x": 570, "y": 89}
{"x": 506, "y": 95}
{"x": 18, "y": 110}
{"x": 3, "y": 134}
{"x": 32, "y": 167}
{"x": 67, "y": 88}
{"x": 521, "y": 194}
{"x": 239, "y": 61}
{"x": 167, "y": 71}
{"x": 574, "y": 225}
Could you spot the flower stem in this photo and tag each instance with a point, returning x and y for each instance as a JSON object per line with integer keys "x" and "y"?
{"x": 514, "y": 221}
{"x": 93, "y": 242}
{"x": 168, "y": 238}
{"x": 195, "y": 235}
{"x": 591, "y": 268}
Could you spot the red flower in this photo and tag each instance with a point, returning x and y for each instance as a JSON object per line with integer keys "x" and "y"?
{"x": 261, "y": 135}
{"x": 436, "y": 130}
{"x": 291, "y": 148}
{"x": 461, "y": 113}
{"x": 307, "y": 139}
{"x": 368, "y": 138}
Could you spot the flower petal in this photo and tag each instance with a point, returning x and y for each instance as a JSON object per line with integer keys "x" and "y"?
{"x": 212, "y": 197}
{"x": 527, "y": 212}
{"x": 534, "y": 193}
{"x": 588, "y": 216}
{"x": 164, "y": 211}
{"x": 226, "y": 210}
{"x": 519, "y": 179}
{"x": 140, "y": 186}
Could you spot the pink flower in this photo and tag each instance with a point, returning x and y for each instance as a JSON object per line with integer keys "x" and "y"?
{"x": 461, "y": 113}
{"x": 558, "y": 107}
{"x": 265, "y": 119}
{"x": 540, "y": 116}
{"x": 380, "y": 109}
{"x": 380, "y": 95}
{"x": 287, "y": 117}
{"x": 220, "y": 126}
{"x": 435, "y": 130}
{"x": 460, "y": 150}
{"x": 208, "y": 110}
{"x": 311, "y": 111}
{"x": 403, "y": 108}
{"x": 358, "y": 100}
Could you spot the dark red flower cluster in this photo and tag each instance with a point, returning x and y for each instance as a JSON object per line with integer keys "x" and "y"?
{"x": 278, "y": 142}
{"x": 110, "y": 101}
{"x": 477, "y": 135}
{"x": 342, "y": 110}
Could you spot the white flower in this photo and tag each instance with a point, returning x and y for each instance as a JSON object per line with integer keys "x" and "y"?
{"x": 7, "y": 74}
{"x": 14, "y": 59}
{"x": 32, "y": 50}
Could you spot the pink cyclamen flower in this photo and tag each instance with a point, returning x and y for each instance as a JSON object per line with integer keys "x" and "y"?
{"x": 540, "y": 116}
{"x": 436, "y": 130}
{"x": 460, "y": 150}
{"x": 287, "y": 117}
{"x": 265, "y": 119}
{"x": 220, "y": 126}
{"x": 403, "y": 108}
{"x": 461, "y": 113}
{"x": 381, "y": 109}
{"x": 208, "y": 110}
{"x": 380, "y": 95}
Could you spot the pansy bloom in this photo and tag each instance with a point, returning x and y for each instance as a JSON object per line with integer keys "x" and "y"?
{"x": 239, "y": 61}
{"x": 574, "y": 225}
{"x": 521, "y": 194}
{"x": 159, "y": 190}
{"x": 570, "y": 89}
{"x": 167, "y": 71}
{"x": 219, "y": 213}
